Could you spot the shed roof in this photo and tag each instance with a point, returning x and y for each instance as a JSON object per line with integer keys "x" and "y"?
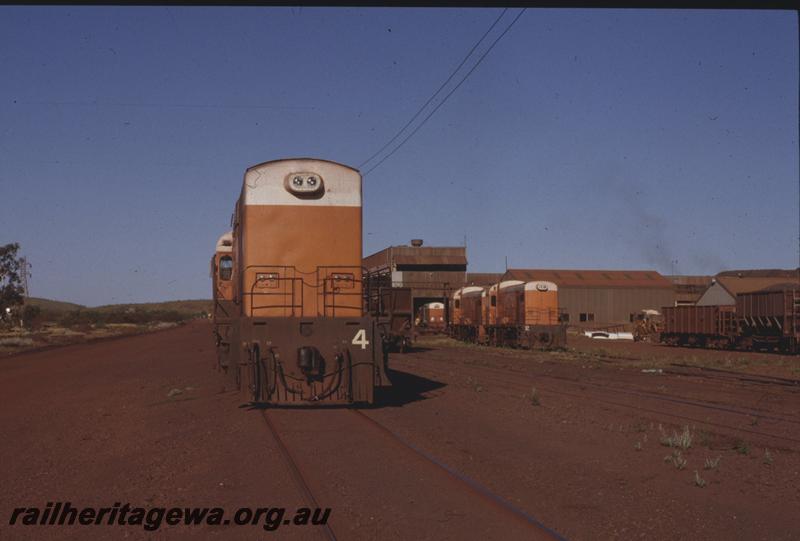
{"x": 688, "y": 280}
{"x": 430, "y": 259}
{"x": 416, "y": 255}
{"x": 592, "y": 278}
{"x": 781, "y": 287}
{"x": 746, "y": 284}
{"x": 792, "y": 274}
{"x": 483, "y": 278}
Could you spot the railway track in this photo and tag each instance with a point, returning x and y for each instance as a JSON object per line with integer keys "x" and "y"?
{"x": 712, "y": 373}
{"x": 297, "y": 476}
{"x": 464, "y": 480}
{"x": 487, "y": 496}
{"x": 515, "y": 383}
{"x": 732, "y": 375}
{"x": 617, "y": 388}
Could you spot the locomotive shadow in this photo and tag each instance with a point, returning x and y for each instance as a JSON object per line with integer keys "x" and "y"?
{"x": 419, "y": 349}
{"x": 405, "y": 389}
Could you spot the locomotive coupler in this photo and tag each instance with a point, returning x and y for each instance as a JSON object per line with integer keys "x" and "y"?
{"x": 311, "y": 363}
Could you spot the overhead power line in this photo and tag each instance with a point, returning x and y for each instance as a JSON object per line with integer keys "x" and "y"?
{"x": 424, "y": 120}
{"x": 444, "y": 84}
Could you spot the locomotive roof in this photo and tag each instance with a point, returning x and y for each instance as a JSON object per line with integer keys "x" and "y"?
{"x": 541, "y": 285}
{"x": 264, "y": 184}
{"x": 225, "y": 242}
{"x": 468, "y": 290}
{"x": 268, "y": 162}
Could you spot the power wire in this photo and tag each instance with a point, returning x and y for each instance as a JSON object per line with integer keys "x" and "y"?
{"x": 448, "y": 94}
{"x": 413, "y": 118}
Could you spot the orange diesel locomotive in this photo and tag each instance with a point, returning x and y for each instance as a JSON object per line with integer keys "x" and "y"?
{"x": 509, "y": 313}
{"x": 300, "y": 333}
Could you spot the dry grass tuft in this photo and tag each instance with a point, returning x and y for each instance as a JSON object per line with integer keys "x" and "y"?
{"x": 533, "y": 397}
{"x": 681, "y": 441}
{"x": 698, "y": 481}
{"x": 676, "y": 459}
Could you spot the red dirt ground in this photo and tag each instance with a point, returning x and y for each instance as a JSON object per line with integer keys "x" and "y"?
{"x": 93, "y": 424}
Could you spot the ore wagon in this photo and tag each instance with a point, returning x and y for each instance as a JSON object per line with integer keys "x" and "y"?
{"x": 770, "y": 319}
{"x": 700, "y": 326}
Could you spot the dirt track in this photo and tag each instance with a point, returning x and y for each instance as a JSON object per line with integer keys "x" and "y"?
{"x": 95, "y": 424}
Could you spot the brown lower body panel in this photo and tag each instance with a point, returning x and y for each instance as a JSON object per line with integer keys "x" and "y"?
{"x": 544, "y": 336}
{"x": 309, "y": 361}
{"x": 527, "y": 336}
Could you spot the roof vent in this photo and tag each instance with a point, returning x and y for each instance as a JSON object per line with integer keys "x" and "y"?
{"x": 416, "y": 243}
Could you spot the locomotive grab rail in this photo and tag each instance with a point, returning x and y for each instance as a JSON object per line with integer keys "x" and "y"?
{"x": 326, "y": 276}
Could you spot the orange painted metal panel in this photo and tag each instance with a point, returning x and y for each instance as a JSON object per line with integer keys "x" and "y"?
{"x": 541, "y": 307}
{"x": 301, "y": 261}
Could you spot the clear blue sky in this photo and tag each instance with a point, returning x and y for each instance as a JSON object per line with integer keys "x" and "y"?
{"x": 586, "y": 138}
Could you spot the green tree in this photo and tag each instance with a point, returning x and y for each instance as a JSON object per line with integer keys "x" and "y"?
{"x": 11, "y": 269}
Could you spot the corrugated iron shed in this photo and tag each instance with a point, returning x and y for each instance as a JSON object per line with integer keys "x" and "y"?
{"x": 689, "y": 289}
{"x": 416, "y": 256}
{"x": 430, "y": 271}
{"x": 592, "y": 278}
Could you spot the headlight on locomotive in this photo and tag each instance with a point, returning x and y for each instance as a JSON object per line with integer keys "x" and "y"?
{"x": 304, "y": 184}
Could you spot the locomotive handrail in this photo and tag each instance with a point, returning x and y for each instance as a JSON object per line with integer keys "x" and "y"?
{"x": 330, "y": 278}
{"x": 292, "y": 305}
{"x": 323, "y": 275}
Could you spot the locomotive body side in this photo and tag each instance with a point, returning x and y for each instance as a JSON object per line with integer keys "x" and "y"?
{"x": 506, "y": 313}
{"x": 467, "y": 313}
{"x": 301, "y": 330}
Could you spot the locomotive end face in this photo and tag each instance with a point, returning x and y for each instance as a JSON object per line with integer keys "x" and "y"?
{"x": 304, "y": 184}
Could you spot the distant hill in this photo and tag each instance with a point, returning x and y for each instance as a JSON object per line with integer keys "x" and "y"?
{"x": 53, "y": 306}
{"x": 183, "y": 307}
